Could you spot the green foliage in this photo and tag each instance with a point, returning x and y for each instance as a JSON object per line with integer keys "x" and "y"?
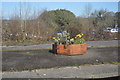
{"x": 103, "y": 18}
{"x": 79, "y": 41}
{"x": 64, "y": 38}
{"x": 59, "y": 19}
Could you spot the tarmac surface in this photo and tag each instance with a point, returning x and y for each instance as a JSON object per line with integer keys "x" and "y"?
{"x": 39, "y": 59}
{"x": 49, "y": 46}
{"x": 84, "y": 72}
{"x": 37, "y": 62}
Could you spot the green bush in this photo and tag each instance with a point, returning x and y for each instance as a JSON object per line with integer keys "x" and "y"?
{"x": 59, "y": 19}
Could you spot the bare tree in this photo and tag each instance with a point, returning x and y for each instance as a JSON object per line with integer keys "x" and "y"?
{"x": 1, "y": 18}
{"x": 87, "y": 10}
{"x": 87, "y": 20}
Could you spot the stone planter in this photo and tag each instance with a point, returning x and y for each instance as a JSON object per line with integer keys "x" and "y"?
{"x": 72, "y": 49}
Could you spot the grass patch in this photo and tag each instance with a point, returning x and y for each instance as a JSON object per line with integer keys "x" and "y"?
{"x": 24, "y": 43}
{"x": 25, "y": 49}
{"x": 104, "y": 46}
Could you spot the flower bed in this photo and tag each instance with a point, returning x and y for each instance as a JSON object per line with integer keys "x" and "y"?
{"x": 69, "y": 46}
{"x": 72, "y": 49}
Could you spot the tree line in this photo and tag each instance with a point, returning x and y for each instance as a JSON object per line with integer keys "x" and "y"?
{"x": 41, "y": 25}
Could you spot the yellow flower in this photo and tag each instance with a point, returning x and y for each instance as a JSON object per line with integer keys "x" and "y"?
{"x": 54, "y": 38}
{"x": 59, "y": 39}
{"x": 82, "y": 34}
{"x": 78, "y": 35}
{"x": 72, "y": 39}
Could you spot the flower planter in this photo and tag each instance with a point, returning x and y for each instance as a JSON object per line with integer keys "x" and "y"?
{"x": 72, "y": 49}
